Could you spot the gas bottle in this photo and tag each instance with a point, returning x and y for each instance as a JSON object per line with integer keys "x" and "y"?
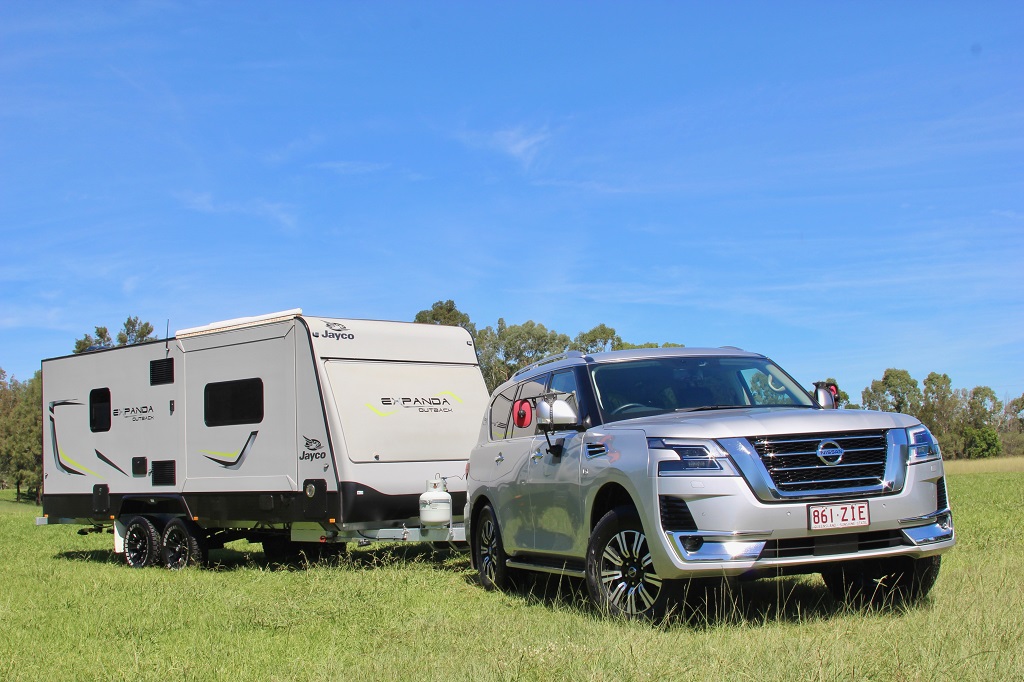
{"x": 436, "y": 504}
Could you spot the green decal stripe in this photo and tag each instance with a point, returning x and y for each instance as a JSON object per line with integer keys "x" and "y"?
{"x": 222, "y": 455}
{"x": 457, "y": 398}
{"x": 378, "y": 412}
{"x": 77, "y": 465}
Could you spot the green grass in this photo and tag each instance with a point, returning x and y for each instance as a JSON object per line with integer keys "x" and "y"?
{"x": 70, "y": 610}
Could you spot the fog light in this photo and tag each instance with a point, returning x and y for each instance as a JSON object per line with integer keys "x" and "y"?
{"x": 693, "y": 544}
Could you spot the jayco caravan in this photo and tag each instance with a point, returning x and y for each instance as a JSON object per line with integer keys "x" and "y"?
{"x": 282, "y": 429}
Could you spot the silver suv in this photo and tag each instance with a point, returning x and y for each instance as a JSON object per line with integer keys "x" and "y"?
{"x": 639, "y": 469}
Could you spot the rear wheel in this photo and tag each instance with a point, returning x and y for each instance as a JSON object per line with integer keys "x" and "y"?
{"x": 183, "y": 545}
{"x": 621, "y": 579}
{"x": 490, "y": 552}
{"x": 141, "y": 542}
{"x": 877, "y": 582}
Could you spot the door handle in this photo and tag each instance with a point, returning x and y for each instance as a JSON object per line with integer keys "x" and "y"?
{"x": 537, "y": 456}
{"x": 499, "y": 459}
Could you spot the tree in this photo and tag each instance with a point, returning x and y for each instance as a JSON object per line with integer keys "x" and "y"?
{"x": 133, "y": 331}
{"x": 983, "y": 408}
{"x": 981, "y": 442}
{"x": 446, "y": 313}
{"x": 1013, "y": 415}
{"x": 21, "y": 429}
{"x": 508, "y": 348}
{"x": 88, "y": 342}
{"x": 600, "y": 338}
{"x": 9, "y": 393}
{"x": 940, "y": 407}
{"x": 897, "y": 391}
{"x": 505, "y": 349}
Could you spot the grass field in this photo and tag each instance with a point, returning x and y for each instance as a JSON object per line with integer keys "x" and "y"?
{"x": 70, "y": 610}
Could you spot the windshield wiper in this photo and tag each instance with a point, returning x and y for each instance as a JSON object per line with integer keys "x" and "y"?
{"x": 704, "y": 408}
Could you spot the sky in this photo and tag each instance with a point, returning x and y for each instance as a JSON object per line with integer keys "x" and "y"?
{"x": 839, "y": 186}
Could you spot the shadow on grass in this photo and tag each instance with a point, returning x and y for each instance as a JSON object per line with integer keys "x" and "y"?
{"x": 707, "y": 603}
{"x": 242, "y": 555}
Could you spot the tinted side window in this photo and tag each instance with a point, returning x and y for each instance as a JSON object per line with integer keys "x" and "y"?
{"x": 99, "y": 409}
{"x": 501, "y": 409}
{"x": 524, "y": 422}
{"x": 233, "y": 402}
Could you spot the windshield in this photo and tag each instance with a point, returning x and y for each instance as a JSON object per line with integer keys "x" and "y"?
{"x": 644, "y": 387}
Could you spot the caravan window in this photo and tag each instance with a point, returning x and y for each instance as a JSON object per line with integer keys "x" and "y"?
{"x": 99, "y": 409}
{"x": 233, "y": 402}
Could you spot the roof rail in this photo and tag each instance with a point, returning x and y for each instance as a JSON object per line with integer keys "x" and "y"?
{"x": 731, "y": 348}
{"x": 549, "y": 359}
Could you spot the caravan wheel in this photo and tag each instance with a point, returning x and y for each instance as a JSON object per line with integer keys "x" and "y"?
{"x": 183, "y": 545}
{"x": 141, "y": 543}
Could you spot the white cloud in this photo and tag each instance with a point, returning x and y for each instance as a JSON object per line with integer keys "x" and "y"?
{"x": 277, "y": 212}
{"x": 520, "y": 143}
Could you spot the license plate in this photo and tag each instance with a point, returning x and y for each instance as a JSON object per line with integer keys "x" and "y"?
{"x": 846, "y": 515}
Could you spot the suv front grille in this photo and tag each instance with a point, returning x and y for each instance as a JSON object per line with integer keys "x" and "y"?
{"x": 794, "y": 466}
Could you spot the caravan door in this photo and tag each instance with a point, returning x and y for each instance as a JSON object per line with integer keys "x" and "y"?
{"x": 240, "y": 411}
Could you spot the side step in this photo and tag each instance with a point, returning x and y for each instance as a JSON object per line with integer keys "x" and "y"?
{"x": 557, "y": 569}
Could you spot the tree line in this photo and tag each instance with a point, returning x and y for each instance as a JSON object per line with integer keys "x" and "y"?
{"x": 968, "y": 423}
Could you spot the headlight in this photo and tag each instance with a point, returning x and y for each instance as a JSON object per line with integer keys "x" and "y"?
{"x": 694, "y": 459}
{"x": 922, "y": 445}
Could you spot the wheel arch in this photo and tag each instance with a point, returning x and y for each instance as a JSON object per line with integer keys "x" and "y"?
{"x": 148, "y": 505}
{"x": 610, "y": 496}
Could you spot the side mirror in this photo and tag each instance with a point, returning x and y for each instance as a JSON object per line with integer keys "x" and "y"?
{"x": 827, "y": 395}
{"x": 556, "y": 414}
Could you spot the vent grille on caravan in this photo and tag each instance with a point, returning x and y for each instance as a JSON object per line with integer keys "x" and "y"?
{"x": 161, "y": 372}
{"x": 163, "y": 472}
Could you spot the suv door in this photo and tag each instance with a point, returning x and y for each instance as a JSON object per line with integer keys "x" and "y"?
{"x": 553, "y": 481}
{"x": 501, "y": 463}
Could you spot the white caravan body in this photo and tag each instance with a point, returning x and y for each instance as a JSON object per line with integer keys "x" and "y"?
{"x": 325, "y": 428}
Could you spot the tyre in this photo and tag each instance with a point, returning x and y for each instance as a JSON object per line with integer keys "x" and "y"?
{"x": 141, "y": 543}
{"x": 490, "y": 552}
{"x": 621, "y": 579}
{"x": 878, "y": 582}
{"x": 183, "y": 545}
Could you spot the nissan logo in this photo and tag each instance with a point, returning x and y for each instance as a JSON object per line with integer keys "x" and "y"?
{"x": 829, "y": 452}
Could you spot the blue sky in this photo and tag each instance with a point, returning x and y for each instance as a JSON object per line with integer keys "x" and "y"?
{"x": 837, "y": 185}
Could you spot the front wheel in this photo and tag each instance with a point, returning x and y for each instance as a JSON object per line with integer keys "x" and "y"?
{"x": 877, "y": 582}
{"x": 621, "y": 579}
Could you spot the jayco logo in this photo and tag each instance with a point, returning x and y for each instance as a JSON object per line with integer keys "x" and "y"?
{"x": 335, "y": 330}
{"x": 312, "y": 451}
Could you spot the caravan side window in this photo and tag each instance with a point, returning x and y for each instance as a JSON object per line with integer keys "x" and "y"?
{"x": 99, "y": 409}
{"x": 233, "y": 402}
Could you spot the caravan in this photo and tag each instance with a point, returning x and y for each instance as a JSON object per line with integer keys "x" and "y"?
{"x": 290, "y": 430}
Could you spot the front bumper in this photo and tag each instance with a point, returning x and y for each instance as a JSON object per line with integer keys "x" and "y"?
{"x": 775, "y": 537}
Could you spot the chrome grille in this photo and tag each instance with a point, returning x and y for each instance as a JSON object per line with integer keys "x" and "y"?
{"x": 792, "y": 461}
